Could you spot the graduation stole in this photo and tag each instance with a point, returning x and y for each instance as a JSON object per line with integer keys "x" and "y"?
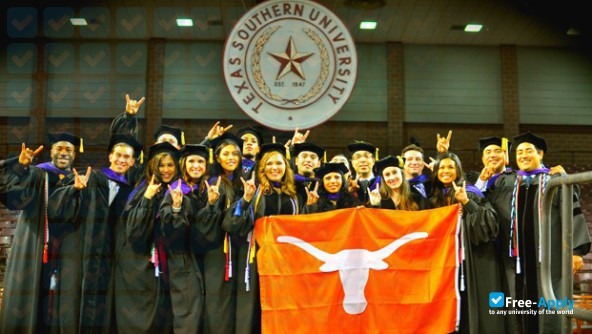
{"x": 45, "y": 220}
{"x": 514, "y": 246}
{"x": 251, "y": 236}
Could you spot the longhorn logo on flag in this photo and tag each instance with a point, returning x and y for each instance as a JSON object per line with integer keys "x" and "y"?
{"x": 359, "y": 270}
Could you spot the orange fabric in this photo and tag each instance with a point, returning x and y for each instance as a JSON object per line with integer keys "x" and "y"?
{"x": 415, "y": 294}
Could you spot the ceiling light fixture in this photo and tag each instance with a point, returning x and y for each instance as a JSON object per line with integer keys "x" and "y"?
{"x": 78, "y": 21}
{"x": 472, "y": 27}
{"x": 185, "y": 22}
{"x": 368, "y": 25}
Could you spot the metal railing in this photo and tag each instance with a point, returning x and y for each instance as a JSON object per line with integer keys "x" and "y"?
{"x": 566, "y": 183}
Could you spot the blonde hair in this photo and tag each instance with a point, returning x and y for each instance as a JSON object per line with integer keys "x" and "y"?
{"x": 288, "y": 186}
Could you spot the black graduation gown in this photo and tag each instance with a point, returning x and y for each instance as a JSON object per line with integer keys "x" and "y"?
{"x": 27, "y": 280}
{"x": 85, "y": 280}
{"x": 480, "y": 267}
{"x": 141, "y": 304}
{"x": 239, "y": 221}
{"x": 184, "y": 272}
{"x": 525, "y": 285}
{"x": 126, "y": 124}
{"x": 325, "y": 205}
{"x": 208, "y": 241}
{"x": 422, "y": 203}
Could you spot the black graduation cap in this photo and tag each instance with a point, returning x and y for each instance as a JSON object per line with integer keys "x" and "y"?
{"x": 66, "y": 136}
{"x": 173, "y": 130}
{"x": 163, "y": 147}
{"x": 310, "y": 147}
{"x": 191, "y": 149}
{"x": 363, "y": 146}
{"x": 273, "y": 147}
{"x": 330, "y": 167}
{"x": 227, "y": 136}
{"x": 529, "y": 137}
{"x": 253, "y": 131}
{"x": 498, "y": 141}
{"x": 125, "y": 139}
{"x": 389, "y": 161}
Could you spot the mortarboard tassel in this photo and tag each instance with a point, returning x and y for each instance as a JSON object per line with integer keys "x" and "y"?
{"x": 141, "y": 157}
{"x": 401, "y": 162}
{"x": 505, "y": 149}
{"x": 182, "y": 138}
{"x": 376, "y": 154}
{"x": 288, "y": 157}
{"x": 211, "y": 156}
{"x": 81, "y": 146}
{"x": 325, "y": 157}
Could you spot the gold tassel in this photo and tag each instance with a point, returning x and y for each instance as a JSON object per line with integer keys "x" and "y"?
{"x": 505, "y": 149}
{"x": 376, "y": 154}
{"x": 401, "y": 162}
{"x": 288, "y": 157}
{"x": 182, "y": 138}
{"x": 211, "y": 156}
{"x": 325, "y": 157}
{"x": 141, "y": 157}
{"x": 81, "y": 146}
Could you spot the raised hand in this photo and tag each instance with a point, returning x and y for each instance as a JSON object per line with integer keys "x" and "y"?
{"x": 460, "y": 193}
{"x": 81, "y": 182}
{"x": 217, "y": 130}
{"x": 27, "y": 155}
{"x": 374, "y": 196}
{"x": 312, "y": 197}
{"x": 353, "y": 184}
{"x": 557, "y": 170}
{"x": 486, "y": 173}
{"x": 431, "y": 165}
{"x": 298, "y": 137}
{"x": 176, "y": 195}
{"x": 249, "y": 188}
{"x": 213, "y": 191}
{"x": 443, "y": 143}
{"x": 152, "y": 188}
{"x": 132, "y": 106}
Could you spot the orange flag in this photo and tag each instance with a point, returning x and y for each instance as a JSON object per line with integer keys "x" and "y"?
{"x": 359, "y": 271}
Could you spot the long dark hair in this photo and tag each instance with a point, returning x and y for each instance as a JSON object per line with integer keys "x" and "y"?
{"x": 217, "y": 171}
{"x": 152, "y": 167}
{"x": 438, "y": 197}
{"x": 406, "y": 202}
{"x": 346, "y": 199}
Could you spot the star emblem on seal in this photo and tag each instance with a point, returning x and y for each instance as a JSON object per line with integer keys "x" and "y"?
{"x": 290, "y": 60}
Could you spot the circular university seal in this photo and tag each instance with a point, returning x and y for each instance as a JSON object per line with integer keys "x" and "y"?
{"x": 290, "y": 64}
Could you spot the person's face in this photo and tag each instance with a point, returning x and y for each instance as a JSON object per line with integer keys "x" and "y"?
{"x": 62, "y": 154}
{"x": 228, "y": 158}
{"x": 362, "y": 162}
{"x": 528, "y": 157}
{"x": 167, "y": 169}
{"x": 340, "y": 159}
{"x": 168, "y": 138}
{"x": 307, "y": 161}
{"x": 413, "y": 163}
{"x": 493, "y": 156}
{"x": 447, "y": 171}
{"x": 332, "y": 182}
{"x": 250, "y": 144}
{"x": 121, "y": 158}
{"x": 195, "y": 166}
{"x": 392, "y": 177}
{"x": 275, "y": 167}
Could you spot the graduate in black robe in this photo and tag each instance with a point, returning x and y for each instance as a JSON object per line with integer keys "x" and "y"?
{"x": 363, "y": 157}
{"x": 307, "y": 157}
{"x": 252, "y": 141}
{"x": 28, "y": 291}
{"x": 90, "y": 205}
{"x": 418, "y": 177}
{"x": 394, "y": 192}
{"x": 141, "y": 285}
{"x": 495, "y": 158}
{"x": 521, "y": 263}
{"x": 276, "y": 195}
{"x": 184, "y": 207}
{"x": 217, "y": 254}
{"x": 479, "y": 269}
{"x": 330, "y": 192}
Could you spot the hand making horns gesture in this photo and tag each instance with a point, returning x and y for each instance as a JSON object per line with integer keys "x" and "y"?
{"x": 298, "y": 137}
{"x": 443, "y": 143}
{"x": 176, "y": 195}
{"x": 27, "y": 155}
{"x": 374, "y": 196}
{"x": 132, "y": 106}
{"x": 312, "y": 197}
{"x": 217, "y": 130}
{"x": 81, "y": 182}
{"x": 460, "y": 193}
{"x": 249, "y": 188}
{"x": 213, "y": 191}
{"x": 152, "y": 188}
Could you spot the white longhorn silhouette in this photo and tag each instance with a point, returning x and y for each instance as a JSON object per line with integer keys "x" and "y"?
{"x": 353, "y": 266}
